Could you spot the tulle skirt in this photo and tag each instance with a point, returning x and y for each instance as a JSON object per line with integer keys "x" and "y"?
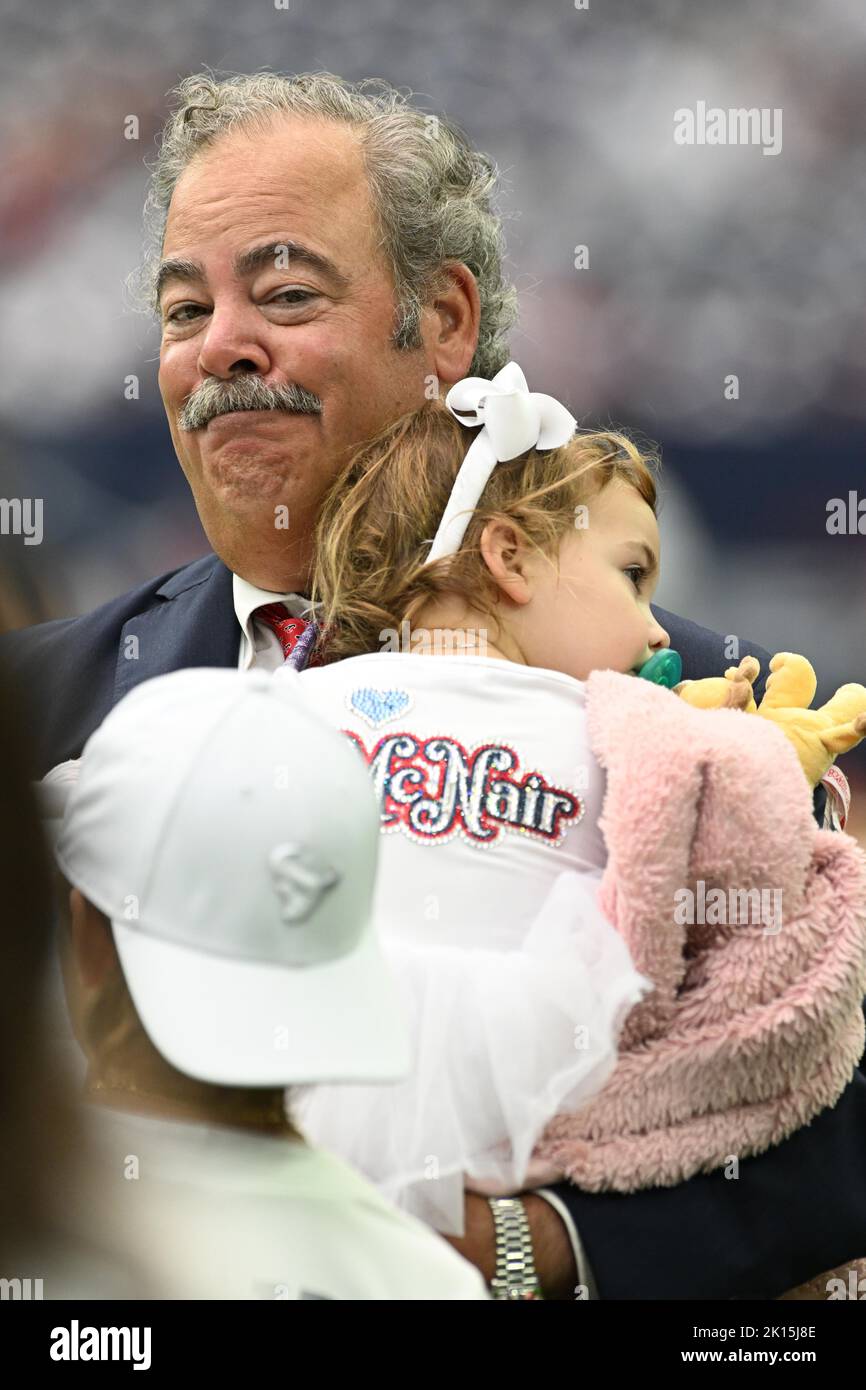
{"x": 503, "y": 1039}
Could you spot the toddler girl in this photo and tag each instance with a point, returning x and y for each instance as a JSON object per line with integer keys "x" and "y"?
{"x": 458, "y": 671}
{"x": 557, "y": 1031}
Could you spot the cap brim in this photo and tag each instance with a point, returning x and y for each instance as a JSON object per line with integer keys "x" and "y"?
{"x": 242, "y": 1023}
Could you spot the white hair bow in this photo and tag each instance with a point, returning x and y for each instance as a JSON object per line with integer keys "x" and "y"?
{"x": 514, "y": 419}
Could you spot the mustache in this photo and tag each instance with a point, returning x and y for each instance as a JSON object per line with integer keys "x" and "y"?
{"x": 247, "y": 392}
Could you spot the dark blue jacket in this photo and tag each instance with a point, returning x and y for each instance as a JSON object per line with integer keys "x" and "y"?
{"x": 793, "y": 1212}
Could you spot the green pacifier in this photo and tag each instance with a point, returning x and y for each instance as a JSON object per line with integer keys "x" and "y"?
{"x": 663, "y": 668}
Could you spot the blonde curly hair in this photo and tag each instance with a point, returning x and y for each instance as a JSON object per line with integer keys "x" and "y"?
{"x": 382, "y": 510}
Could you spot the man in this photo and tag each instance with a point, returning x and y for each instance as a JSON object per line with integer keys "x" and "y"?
{"x": 223, "y": 948}
{"x": 320, "y": 263}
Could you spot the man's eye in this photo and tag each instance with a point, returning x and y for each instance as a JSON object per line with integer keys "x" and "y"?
{"x": 297, "y": 296}
{"x": 638, "y": 570}
{"x": 175, "y": 315}
{"x": 180, "y": 314}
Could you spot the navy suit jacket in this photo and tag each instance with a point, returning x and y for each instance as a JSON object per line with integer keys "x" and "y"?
{"x": 793, "y": 1212}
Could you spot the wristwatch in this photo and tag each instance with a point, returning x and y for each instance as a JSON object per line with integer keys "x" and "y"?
{"x": 515, "y": 1275}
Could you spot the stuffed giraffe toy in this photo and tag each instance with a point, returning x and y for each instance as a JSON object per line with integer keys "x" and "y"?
{"x": 818, "y": 735}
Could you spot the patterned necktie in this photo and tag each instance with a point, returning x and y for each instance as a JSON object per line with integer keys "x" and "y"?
{"x": 296, "y": 636}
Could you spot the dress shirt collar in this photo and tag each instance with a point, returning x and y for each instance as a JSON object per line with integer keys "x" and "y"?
{"x": 247, "y": 598}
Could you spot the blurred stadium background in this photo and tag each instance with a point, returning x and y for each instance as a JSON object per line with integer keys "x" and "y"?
{"x": 703, "y": 262}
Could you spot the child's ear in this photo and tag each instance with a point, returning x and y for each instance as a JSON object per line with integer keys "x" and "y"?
{"x": 92, "y": 944}
{"x": 505, "y": 554}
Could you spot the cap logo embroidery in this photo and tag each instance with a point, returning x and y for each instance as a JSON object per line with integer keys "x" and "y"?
{"x": 299, "y": 879}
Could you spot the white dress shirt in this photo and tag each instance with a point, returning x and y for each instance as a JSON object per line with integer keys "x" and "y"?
{"x": 259, "y": 645}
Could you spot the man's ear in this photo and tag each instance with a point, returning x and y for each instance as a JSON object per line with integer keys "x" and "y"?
{"x": 505, "y": 554}
{"x": 453, "y": 321}
{"x": 92, "y": 944}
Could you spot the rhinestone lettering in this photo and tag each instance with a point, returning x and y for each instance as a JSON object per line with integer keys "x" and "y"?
{"x": 434, "y": 788}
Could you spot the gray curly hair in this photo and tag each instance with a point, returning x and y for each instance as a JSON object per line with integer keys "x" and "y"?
{"x": 432, "y": 192}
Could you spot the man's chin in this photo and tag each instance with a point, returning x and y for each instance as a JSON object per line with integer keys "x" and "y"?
{"x": 245, "y": 473}
{"x": 248, "y": 488}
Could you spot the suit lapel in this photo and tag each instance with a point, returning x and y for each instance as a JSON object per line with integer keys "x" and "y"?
{"x": 192, "y": 623}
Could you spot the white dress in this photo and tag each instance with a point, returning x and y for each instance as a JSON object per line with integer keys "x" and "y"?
{"x": 516, "y": 985}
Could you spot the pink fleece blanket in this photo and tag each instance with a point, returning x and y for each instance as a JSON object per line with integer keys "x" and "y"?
{"x": 756, "y": 1026}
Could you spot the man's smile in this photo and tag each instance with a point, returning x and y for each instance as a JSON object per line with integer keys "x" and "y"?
{"x": 251, "y": 417}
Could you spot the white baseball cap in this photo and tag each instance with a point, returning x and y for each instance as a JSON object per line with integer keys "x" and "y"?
{"x": 231, "y": 838}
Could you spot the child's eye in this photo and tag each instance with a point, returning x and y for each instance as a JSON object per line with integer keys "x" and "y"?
{"x": 638, "y": 570}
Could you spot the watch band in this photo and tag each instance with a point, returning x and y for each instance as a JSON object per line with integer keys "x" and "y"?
{"x": 515, "y": 1276}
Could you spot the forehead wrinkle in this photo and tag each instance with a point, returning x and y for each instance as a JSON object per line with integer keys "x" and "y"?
{"x": 254, "y": 183}
{"x": 343, "y": 172}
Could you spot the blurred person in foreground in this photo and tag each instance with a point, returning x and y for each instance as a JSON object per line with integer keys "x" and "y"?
{"x": 222, "y": 948}
{"x": 45, "y": 1253}
{"x": 35, "y": 1122}
{"x": 320, "y": 265}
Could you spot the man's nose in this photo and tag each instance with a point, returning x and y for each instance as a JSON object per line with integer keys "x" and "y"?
{"x": 234, "y": 341}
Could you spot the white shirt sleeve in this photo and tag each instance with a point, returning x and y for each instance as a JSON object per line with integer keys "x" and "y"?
{"x": 585, "y": 1276}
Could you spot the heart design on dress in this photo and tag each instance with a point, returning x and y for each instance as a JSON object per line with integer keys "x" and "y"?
{"x": 378, "y": 706}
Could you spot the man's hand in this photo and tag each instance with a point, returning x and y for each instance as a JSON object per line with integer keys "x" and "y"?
{"x": 551, "y": 1247}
